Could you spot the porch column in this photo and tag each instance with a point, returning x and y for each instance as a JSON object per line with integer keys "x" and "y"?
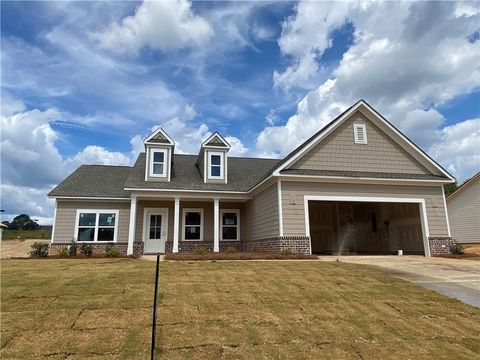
{"x": 131, "y": 228}
{"x": 176, "y": 224}
{"x": 216, "y": 225}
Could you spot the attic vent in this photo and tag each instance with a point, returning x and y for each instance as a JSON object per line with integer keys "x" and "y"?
{"x": 360, "y": 133}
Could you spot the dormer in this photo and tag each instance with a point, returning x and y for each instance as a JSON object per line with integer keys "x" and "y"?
{"x": 158, "y": 156}
{"x": 212, "y": 159}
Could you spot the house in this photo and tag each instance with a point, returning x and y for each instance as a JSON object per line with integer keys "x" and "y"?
{"x": 464, "y": 211}
{"x": 357, "y": 186}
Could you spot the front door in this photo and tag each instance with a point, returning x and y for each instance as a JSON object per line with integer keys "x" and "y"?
{"x": 155, "y": 232}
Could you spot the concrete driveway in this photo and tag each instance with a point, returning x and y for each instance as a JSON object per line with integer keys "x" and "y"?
{"x": 457, "y": 278}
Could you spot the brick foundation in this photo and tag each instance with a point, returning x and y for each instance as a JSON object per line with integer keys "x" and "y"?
{"x": 190, "y": 246}
{"x": 97, "y": 248}
{"x": 298, "y": 244}
{"x": 440, "y": 245}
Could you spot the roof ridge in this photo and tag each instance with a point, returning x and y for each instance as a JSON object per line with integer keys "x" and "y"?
{"x": 107, "y": 165}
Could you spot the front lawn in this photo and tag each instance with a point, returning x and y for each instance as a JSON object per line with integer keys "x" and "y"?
{"x": 75, "y": 308}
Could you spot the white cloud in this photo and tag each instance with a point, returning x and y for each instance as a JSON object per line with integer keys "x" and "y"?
{"x": 163, "y": 25}
{"x": 405, "y": 60}
{"x": 272, "y": 117}
{"x": 31, "y": 163}
{"x": 458, "y": 148}
{"x": 237, "y": 147}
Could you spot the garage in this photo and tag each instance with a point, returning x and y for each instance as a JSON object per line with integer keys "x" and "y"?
{"x": 366, "y": 226}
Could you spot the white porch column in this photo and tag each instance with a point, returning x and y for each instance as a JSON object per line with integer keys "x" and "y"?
{"x": 216, "y": 225}
{"x": 176, "y": 224}
{"x": 131, "y": 228}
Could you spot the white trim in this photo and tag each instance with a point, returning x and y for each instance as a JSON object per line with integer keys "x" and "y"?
{"x": 236, "y": 211}
{"x": 280, "y": 208}
{"x": 340, "y": 120}
{"x": 132, "y": 223}
{"x": 185, "y": 210}
{"x": 88, "y": 198}
{"x": 54, "y": 220}
{"x": 353, "y": 179}
{"x": 356, "y": 139}
{"x": 155, "y": 211}
{"x": 420, "y": 201}
{"x": 216, "y": 228}
{"x": 176, "y": 224}
{"x": 152, "y": 152}
{"x": 446, "y": 212}
{"x": 95, "y": 237}
{"x": 153, "y": 134}
{"x": 210, "y": 138}
{"x": 183, "y": 190}
{"x": 209, "y": 164}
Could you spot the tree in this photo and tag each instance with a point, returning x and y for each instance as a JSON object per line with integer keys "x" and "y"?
{"x": 450, "y": 188}
{"x": 23, "y": 222}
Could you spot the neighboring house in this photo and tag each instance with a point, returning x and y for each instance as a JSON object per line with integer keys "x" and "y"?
{"x": 464, "y": 211}
{"x": 356, "y": 186}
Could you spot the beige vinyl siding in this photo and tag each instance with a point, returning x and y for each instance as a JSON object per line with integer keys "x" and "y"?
{"x": 338, "y": 151}
{"x": 207, "y": 207}
{"x": 262, "y": 214}
{"x": 464, "y": 214}
{"x": 67, "y": 212}
{"x": 294, "y": 210}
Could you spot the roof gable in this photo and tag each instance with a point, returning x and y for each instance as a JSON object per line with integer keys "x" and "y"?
{"x": 380, "y": 122}
{"x": 216, "y": 140}
{"x": 473, "y": 180}
{"x": 159, "y": 136}
{"x": 379, "y": 154}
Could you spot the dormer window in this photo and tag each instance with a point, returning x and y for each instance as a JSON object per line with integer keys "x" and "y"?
{"x": 159, "y": 149}
{"x": 212, "y": 160}
{"x": 360, "y": 133}
{"x": 157, "y": 162}
{"x": 215, "y": 165}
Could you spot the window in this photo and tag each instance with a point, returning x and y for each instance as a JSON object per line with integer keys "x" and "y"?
{"x": 230, "y": 224}
{"x": 360, "y": 133}
{"x": 215, "y": 165}
{"x": 192, "y": 224}
{"x": 158, "y": 162}
{"x": 96, "y": 225}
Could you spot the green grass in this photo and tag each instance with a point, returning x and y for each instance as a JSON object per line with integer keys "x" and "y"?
{"x": 101, "y": 308}
{"x": 26, "y": 234}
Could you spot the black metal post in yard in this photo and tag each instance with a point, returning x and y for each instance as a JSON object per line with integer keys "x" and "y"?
{"x": 154, "y": 321}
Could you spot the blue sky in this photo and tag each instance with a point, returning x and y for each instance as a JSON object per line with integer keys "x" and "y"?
{"x": 84, "y": 82}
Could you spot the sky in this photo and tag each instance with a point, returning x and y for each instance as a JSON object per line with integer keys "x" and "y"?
{"x": 86, "y": 82}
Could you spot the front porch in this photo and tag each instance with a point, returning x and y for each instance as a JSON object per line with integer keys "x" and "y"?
{"x": 176, "y": 224}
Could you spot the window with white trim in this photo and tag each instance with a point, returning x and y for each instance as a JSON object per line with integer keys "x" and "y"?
{"x": 215, "y": 165}
{"x": 192, "y": 224}
{"x": 96, "y": 225}
{"x": 360, "y": 133}
{"x": 230, "y": 224}
{"x": 158, "y": 162}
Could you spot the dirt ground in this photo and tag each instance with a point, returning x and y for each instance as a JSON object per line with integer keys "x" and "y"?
{"x": 472, "y": 248}
{"x": 17, "y": 248}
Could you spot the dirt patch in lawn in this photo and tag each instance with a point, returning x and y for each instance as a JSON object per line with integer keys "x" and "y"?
{"x": 237, "y": 256}
{"x": 101, "y": 308}
{"x": 18, "y": 248}
{"x": 472, "y": 252}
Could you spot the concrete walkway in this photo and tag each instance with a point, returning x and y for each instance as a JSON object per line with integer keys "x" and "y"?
{"x": 456, "y": 278}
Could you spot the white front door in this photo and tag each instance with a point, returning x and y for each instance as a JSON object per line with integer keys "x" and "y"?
{"x": 155, "y": 231}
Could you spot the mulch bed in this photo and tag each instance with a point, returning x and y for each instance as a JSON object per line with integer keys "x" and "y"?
{"x": 238, "y": 256}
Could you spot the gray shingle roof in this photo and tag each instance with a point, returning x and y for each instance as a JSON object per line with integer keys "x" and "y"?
{"x": 94, "y": 181}
{"x": 243, "y": 174}
{"x": 358, "y": 174}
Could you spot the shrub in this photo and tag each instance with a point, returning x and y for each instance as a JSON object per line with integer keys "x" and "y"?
{"x": 111, "y": 251}
{"x": 63, "y": 252}
{"x": 231, "y": 250}
{"x": 199, "y": 250}
{"x": 72, "y": 250}
{"x": 287, "y": 252}
{"x": 86, "y": 249}
{"x": 457, "y": 249}
{"x": 39, "y": 249}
